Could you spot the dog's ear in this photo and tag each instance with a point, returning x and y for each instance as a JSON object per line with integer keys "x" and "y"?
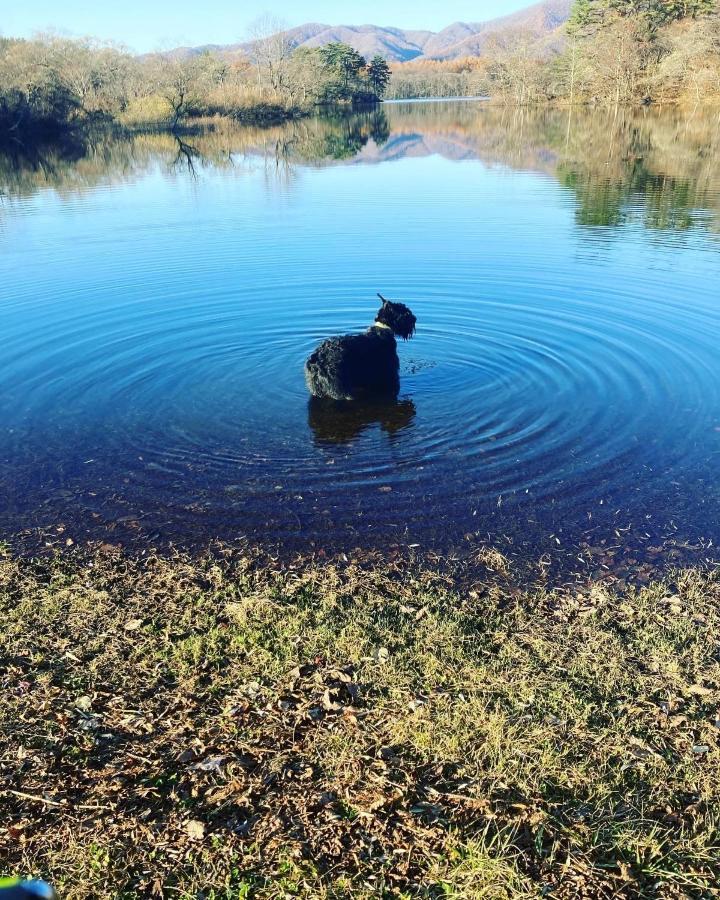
{"x": 384, "y": 301}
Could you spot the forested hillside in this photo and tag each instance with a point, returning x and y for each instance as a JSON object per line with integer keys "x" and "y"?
{"x": 610, "y": 51}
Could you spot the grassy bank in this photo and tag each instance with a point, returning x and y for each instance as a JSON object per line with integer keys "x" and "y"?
{"x": 246, "y": 107}
{"x": 228, "y": 728}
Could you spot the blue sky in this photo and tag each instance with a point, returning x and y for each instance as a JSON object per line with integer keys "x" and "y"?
{"x": 158, "y": 24}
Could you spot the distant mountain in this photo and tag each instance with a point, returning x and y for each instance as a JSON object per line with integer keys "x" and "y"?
{"x": 394, "y": 44}
{"x": 463, "y": 39}
{"x": 398, "y": 45}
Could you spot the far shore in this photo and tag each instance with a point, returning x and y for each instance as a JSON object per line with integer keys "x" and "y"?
{"x": 269, "y": 116}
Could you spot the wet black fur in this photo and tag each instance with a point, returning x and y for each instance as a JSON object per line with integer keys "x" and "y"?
{"x": 362, "y": 366}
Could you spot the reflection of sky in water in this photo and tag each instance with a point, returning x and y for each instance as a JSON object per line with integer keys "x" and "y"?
{"x": 563, "y": 378}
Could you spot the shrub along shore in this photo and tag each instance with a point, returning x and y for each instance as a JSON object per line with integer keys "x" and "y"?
{"x": 229, "y": 726}
{"x": 53, "y": 83}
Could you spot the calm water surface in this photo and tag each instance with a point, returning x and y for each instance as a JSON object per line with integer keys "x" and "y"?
{"x": 158, "y": 300}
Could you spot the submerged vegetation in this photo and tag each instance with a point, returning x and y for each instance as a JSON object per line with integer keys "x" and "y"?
{"x": 228, "y": 727}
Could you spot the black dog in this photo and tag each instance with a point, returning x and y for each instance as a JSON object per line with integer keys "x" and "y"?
{"x": 362, "y": 366}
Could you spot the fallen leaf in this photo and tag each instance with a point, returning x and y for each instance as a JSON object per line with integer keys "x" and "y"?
{"x": 699, "y": 690}
{"x": 330, "y": 704}
{"x": 211, "y": 764}
{"x": 195, "y": 830}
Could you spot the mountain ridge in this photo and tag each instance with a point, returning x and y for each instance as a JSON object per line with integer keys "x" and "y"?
{"x": 404, "y": 45}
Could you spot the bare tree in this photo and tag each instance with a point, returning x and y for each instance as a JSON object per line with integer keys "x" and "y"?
{"x": 270, "y": 51}
{"x": 615, "y": 57}
{"x": 305, "y": 76}
{"x": 691, "y": 65}
{"x": 179, "y": 80}
{"x": 515, "y": 66}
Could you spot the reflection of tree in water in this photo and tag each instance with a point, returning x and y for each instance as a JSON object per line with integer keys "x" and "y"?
{"x": 345, "y": 143}
{"x": 659, "y": 167}
{"x": 24, "y": 164}
{"x": 655, "y": 167}
{"x": 340, "y": 136}
{"x": 380, "y": 128}
{"x": 667, "y": 203}
{"x": 186, "y": 155}
{"x": 80, "y": 160}
{"x": 342, "y": 422}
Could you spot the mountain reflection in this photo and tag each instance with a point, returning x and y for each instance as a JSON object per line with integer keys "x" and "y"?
{"x": 659, "y": 167}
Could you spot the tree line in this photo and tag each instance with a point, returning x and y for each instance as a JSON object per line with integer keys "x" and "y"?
{"x": 612, "y": 52}
{"x": 51, "y": 82}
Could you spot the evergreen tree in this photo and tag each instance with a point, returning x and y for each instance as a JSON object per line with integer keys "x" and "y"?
{"x": 378, "y": 73}
{"x": 586, "y": 15}
{"x": 661, "y": 12}
{"x": 346, "y": 63}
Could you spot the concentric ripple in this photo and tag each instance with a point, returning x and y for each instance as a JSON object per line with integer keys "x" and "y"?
{"x": 152, "y": 372}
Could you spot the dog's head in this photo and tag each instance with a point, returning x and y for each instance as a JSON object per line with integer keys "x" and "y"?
{"x": 398, "y": 317}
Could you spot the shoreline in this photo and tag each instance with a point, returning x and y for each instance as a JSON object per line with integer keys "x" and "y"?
{"x": 271, "y": 115}
{"x": 618, "y": 564}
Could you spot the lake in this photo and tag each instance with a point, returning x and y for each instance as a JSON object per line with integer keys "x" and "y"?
{"x": 561, "y": 397}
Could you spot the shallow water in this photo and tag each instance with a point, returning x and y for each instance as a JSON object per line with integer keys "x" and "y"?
{"x": 562, "y": 391}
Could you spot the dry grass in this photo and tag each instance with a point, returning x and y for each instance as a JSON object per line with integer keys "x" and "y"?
{"x": 226, "y": 728}
{"x": 241, "y": 103}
